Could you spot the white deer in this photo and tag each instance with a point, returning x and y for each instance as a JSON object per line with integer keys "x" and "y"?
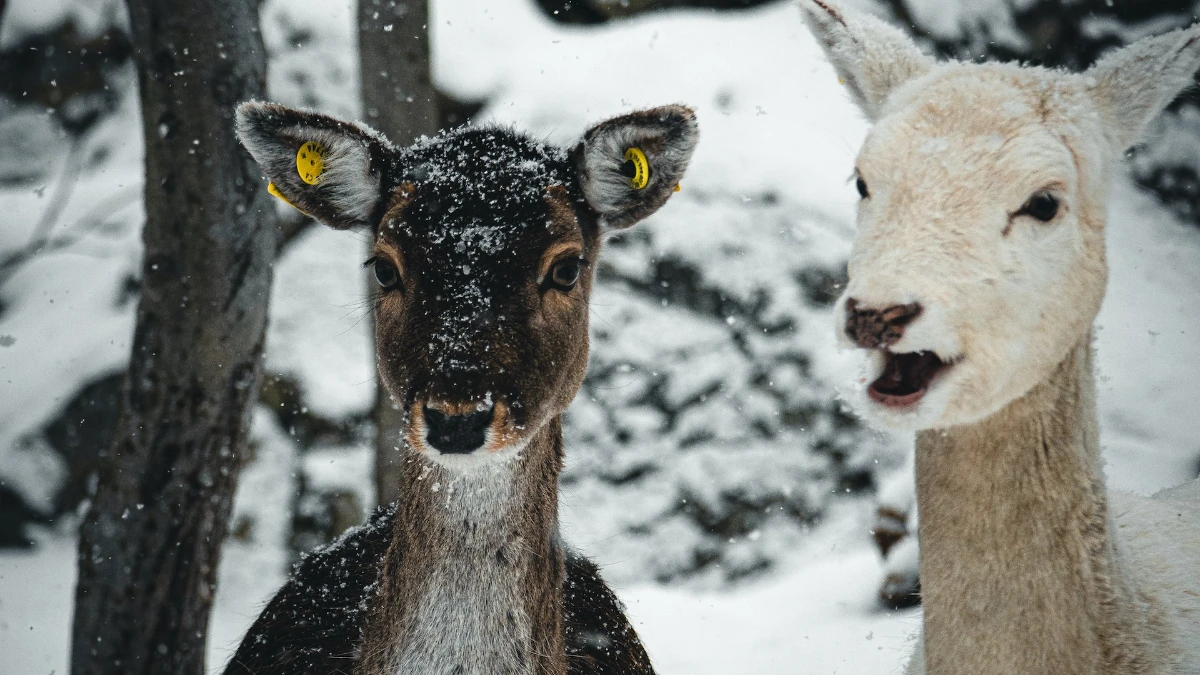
{"x": 977, "y": 272}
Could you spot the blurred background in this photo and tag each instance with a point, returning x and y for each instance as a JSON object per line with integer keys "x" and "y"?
{"x": 748, "y": 519}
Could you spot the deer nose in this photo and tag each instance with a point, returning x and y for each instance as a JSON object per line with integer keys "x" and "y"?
{"x": 457, "y": 434}
{"x": 877, "y": 328}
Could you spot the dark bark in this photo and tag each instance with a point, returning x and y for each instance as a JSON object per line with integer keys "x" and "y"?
{"x": 398, "y": 100}
{"x": 151, "y": 541}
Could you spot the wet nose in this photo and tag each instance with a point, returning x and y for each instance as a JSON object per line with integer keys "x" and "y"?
{"x": 871, "y": 328}
{"x": 455, "y": 433}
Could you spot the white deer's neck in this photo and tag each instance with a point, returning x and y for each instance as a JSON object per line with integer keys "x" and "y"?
{"x": 472, "y": 584}
{"x": 1019, "y": 573}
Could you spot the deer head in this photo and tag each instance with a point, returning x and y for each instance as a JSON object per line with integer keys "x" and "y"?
{"x": 484, "y": 249}
{"x": 979, "y": 261}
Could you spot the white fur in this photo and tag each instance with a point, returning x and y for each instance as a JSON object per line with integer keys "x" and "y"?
{"x": 471, "y": 617}
{"x": 870, "y": 56}
{"x": 956, "y": 151}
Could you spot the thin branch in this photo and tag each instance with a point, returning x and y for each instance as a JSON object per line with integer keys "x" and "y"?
{"x": 11, "y": 263}
{"x": 72, "y": 167}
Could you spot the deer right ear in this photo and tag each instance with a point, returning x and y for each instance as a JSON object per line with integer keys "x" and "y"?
{"x": 630, "y": 165}
{"x": 871, "y": 57}
{"x": 1133, "y": 84}
{"x": 329, "y": 169}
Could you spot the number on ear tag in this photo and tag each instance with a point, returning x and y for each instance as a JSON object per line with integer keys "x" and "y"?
{"x": 310, "y": 162}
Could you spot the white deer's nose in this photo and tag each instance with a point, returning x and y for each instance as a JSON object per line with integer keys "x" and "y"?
{"x": 878, "y": 327}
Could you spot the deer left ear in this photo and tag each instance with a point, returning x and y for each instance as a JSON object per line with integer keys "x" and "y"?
{"x": 630, "y": 165}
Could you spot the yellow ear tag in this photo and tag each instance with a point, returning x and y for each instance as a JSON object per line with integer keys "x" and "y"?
{"x": 279, "y": 195}
{"x": 678, "y": 187}
{"x": 310, "y": 162}
{"x": 641, "y": 168}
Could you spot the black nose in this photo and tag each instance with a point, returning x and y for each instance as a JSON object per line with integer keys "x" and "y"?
{"x": 457, "y": 434}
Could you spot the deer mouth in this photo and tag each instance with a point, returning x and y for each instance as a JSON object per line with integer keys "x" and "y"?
{"x": 906, "y": 378}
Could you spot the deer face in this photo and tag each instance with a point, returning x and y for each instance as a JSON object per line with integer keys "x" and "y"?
{"x": 484, "y": 269}
{"x": 484, "y": 246}
{"x": 976, "y": 221}
{"x": 979, "y": 261}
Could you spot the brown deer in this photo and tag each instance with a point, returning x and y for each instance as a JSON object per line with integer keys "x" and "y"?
{"x": 485, "y": 244}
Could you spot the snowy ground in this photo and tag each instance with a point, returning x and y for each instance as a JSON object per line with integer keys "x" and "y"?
{"x": 767, "y": 192}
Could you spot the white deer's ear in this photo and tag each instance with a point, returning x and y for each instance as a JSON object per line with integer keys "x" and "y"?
{"x": 1133, "y": 84}
{"x": 871, "y": 57}
{"x": 329, "y": 169}
{"x": 630, "y": 165}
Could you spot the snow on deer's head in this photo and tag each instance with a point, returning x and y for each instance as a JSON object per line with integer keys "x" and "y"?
{"x": 979, "y": 261}
{"x": 484, "y": 247}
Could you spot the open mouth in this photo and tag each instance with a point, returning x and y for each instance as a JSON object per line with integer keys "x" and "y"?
{"x": 906, "y": 378}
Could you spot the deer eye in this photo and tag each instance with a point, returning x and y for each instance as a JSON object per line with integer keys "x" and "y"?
{"x": 386, "y": 274}
{"x": 565, "y": 273}
{"x": 1042, "y": 205}
{"x": 862, "y": 187}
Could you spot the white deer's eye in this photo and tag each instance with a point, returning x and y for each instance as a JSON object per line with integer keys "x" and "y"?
{"x": 1042, "y": 206}
{"x": 862, "y": 187}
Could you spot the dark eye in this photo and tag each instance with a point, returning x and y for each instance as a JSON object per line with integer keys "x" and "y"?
{"x": 1042, "y": 206}
{"x": 386, "y": 274}
{"x": 565, "y": 273}
{"x": 862, "y": 187}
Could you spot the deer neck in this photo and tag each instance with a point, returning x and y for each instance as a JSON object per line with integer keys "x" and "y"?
{"x": 472, "y": 582}
{"x": 1019, "y": 573}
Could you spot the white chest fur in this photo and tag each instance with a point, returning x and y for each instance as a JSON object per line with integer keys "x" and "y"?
{"x": 471, "y": 617}
{"x": 470, "y": 623}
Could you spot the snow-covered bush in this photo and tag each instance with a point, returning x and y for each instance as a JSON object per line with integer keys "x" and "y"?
{"x": 703, "y": 440}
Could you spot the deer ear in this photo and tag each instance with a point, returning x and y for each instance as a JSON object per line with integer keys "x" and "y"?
{"x": 1133, "y": 84}
{"x": 871, "y": 57}
{"x": 329, "y": 169}
{"x": 630, "y": 165}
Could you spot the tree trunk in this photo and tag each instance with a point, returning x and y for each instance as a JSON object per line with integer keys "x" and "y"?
{"x": 151, "y": 541}
{"x": 398, "y": 100}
